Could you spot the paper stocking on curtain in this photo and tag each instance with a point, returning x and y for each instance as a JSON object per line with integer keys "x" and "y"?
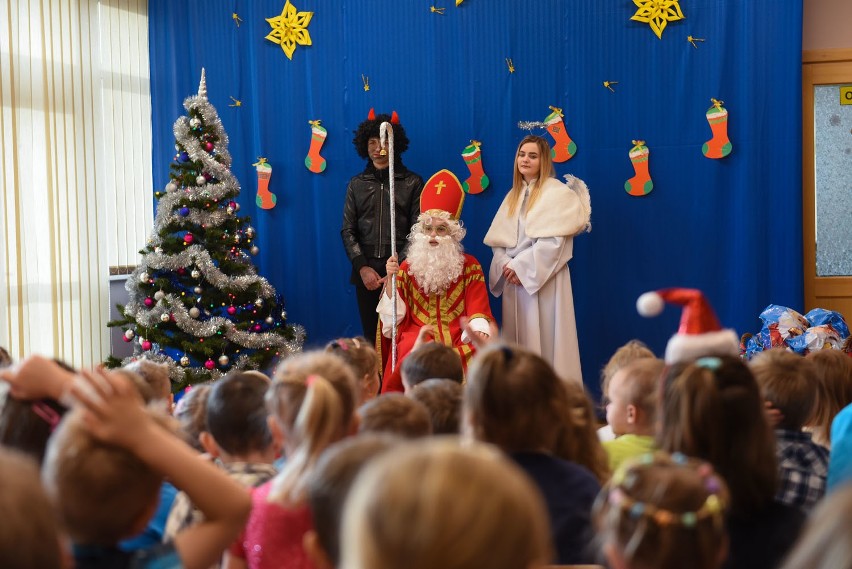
{"x": 720, "y": 145}
{"x": 640, "y": 184}
{"x": 264, "y": 199}
{"x": 314, "y": 162}
{"x": 563, "y": 147}
{"x": 477, "y": 181}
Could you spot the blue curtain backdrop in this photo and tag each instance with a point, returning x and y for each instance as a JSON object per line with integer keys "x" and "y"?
{"x": 731, "y": 227}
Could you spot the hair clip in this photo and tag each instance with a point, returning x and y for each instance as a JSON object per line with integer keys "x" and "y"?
{"x": 47, "y": 413}
{"x": 507, "y": 353}
{"x": 311, "y": 379}
{"x": 711, "y": 363}
{"x": 357, "y": 343}
{"x": 342, "y": 345}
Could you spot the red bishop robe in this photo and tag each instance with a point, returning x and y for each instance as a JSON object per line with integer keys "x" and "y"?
{"x": 467, "y": 296}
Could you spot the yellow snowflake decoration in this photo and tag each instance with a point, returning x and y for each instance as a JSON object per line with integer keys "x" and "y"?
{"x": 657, "y": 13}
{"x": 290, "y": 29}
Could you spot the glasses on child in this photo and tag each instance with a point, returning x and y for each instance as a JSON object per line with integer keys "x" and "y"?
{"x": 440, "y": 230}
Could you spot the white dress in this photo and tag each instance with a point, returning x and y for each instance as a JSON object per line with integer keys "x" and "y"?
{"x": 539, "y": 315}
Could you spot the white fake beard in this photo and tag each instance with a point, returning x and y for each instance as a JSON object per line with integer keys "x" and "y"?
{"x": 434, "y": 268}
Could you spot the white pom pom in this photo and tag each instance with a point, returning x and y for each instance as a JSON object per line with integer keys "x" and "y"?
{"x": 650, "y": 304}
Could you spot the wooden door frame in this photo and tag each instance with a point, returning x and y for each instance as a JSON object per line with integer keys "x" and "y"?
{"x": 819, "y": 67}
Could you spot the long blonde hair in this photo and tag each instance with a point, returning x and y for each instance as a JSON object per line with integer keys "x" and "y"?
{"x": 545, "y": 171}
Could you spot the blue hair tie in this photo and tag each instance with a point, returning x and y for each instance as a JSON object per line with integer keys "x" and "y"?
{"x": 711, "y": 363}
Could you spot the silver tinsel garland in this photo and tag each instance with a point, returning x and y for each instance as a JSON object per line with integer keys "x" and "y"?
{"x": 530, "y": 125}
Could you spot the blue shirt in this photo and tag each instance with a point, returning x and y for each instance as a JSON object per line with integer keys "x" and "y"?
{"x": 840, "y": 464}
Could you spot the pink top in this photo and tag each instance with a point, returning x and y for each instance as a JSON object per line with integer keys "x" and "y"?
{"x": 272, "y": 538}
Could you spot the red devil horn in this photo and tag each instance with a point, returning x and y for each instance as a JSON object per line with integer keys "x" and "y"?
{"x": 371, "y": 116}
{"x": 394, "y": 118}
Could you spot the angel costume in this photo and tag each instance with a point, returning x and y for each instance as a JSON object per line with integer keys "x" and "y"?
{"x": 537, "y": 245}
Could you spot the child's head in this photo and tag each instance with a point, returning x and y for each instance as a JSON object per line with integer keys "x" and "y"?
{"x": 469, "y": 508}
{"x": 396, "y": 414}
{"x": 333, "y": 477}
{"x": 712, "y": 409}
{"x": 580, "y": 442}
{"x": 629, "y": 352}
{"x": 663, "y": 512}
{"x": 633, "y": 395}
{"x": 29, "y": 534}
{"x": 364, "y": 361}
{"x": 433, "y": 360}
{"x": 5, "y": 358}
{"x": 102, "y": 493}
{"x": 787, "y": 381}
{"x": 443, "y": 399}
{"x": 191, "y": 413}
{"x": 156, "y": 375}
{"x": 833, "y": 371}
{"x": 825, "y": 542}
{"x": 26, "y": 425}
{"x": 236, "y": 416}
{"x": 312, "y": 402}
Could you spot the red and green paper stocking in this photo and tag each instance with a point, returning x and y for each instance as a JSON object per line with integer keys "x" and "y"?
{"x": 720, "y": 145}
{"x": 477, "y": 181}
{"x": 264, "y": 199}
{"x": 640, "y": 184}
{"x": 314, "y": 162}
{"x": 563, "y": 147}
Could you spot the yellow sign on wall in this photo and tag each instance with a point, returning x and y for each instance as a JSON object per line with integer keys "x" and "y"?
{"x": 846, "y": 95}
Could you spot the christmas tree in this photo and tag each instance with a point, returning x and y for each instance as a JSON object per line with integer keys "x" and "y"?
{"x": 196, "y": 300}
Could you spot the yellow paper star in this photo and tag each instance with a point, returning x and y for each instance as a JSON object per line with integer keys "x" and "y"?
{"x": 290, "y": 29}
{"x": 657, "y": 13}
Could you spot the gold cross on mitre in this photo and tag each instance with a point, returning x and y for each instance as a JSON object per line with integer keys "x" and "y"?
{"x": 440, "y": 186}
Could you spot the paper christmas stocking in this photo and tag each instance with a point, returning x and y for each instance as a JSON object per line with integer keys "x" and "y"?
{"x": 477, "y": 181}
{"x": 640, "y": 184}
{"x": 264, "y": 199}
{"x": 563, "y": 147}
{"x": 314, "y": 162}
{"x": 720, "y": 145}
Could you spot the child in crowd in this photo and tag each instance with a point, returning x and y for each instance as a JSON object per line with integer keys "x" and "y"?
{"x": 433, "y": 504}
{"x": 432, "y": 360}
{"x": 826, "y": 542}
{"x": 787, "y": 381}
{"x": 312, "y": 400}
{"x": 29, "y": 534}
{"x": 191, "y": 413}
{"x": 840, "y": 463}
{"x": 580, "y": 442}
{"x": 104, "y": 467}
{"x": 156, "y": 375}
{"x": 629, "y": 352}
{"x": 711, "y": 409}
{"x": 443, "y": 399}
{"x": 514, "y": 400}
{"x": 237, "y": 436}
{"x": 632, "y": 410}
{"x": 396, "y": 414}
{"x": 334, "y": 475}
{"x": 663, "y": 511}
{"x": 833, "y": 370}
{"x": 362, "y": 357}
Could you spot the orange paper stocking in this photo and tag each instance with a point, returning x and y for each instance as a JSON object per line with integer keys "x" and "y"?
{"x": 264, "y": 199}
{"x": 640, "y": 184}
{"x": 314, "y": 162}
{"x": 720, "y": 145}
{"x": 477, "y": 181}
{"x": 563, "y": 147}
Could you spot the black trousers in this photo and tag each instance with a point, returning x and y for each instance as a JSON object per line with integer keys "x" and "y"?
{"x": 369, "y": 299}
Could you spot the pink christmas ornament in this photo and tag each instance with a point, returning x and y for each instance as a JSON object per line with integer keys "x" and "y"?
{"x": 209, "y": 364}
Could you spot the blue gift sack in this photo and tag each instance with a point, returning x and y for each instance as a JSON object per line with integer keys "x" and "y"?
{"x": 820, "y": 316}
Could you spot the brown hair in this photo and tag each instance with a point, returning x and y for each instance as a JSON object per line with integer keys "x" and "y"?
{"x": 443, "y": 399}
{"x": 641, "y": 385}
{"x": 236, "y": 414}
{"x": 26, "y": 425}
{"x": 313, "y": 400}
{"x": 664, "y": 512}
{"x": 431, "y": 361}
{"x": 191, "y": 413}
{"x": 833, "y": 371}
{"x": 333, "y": 477}
{"x": 515, "y": 400}
{"x": 361, "y": 356}
{"x": 29, "y": 538}
{"x": 396, "y": 414}
{"x": 155, "y": 374}
{"x": 545, "y": 172}
{"x": 786, "y": 380}
{"x": 825, "y": 540}
{"x": 469, "y": 508}
{"x": 712, "y": 410}
{"x": 101, "y": 491}
{"x": 629, "y": 352}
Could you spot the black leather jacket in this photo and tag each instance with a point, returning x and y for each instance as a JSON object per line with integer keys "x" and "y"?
{"x": 366, "y": 221}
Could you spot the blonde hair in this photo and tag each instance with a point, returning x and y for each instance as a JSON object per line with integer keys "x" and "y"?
{"x": 545, "y": 171}
{"x": 469, "y": 508}
{"x": 825, "y": 541}
{"x": 155, "y": 374}
{"x": 581, "y": 443}
{"x": 787, "y": 380}
{"x": 629, "y": 352}
{"x": 665, "y": 512}
{"x": 29, "y": 538}
{"x": 642, "y": 386}
{"x": 362, "y": 357}
{"x": 313, "y": 399}
{"x": 833, "y": 370}
{"x": 191, "y": 413}
{"x": 101, "y": 491}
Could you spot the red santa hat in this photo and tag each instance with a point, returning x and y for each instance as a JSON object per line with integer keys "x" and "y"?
{"x": 699, "y": 333}
{"x": 442, "y": 192}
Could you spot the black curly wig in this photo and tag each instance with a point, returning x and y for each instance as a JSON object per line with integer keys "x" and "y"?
{"x": 370, "y": 129}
